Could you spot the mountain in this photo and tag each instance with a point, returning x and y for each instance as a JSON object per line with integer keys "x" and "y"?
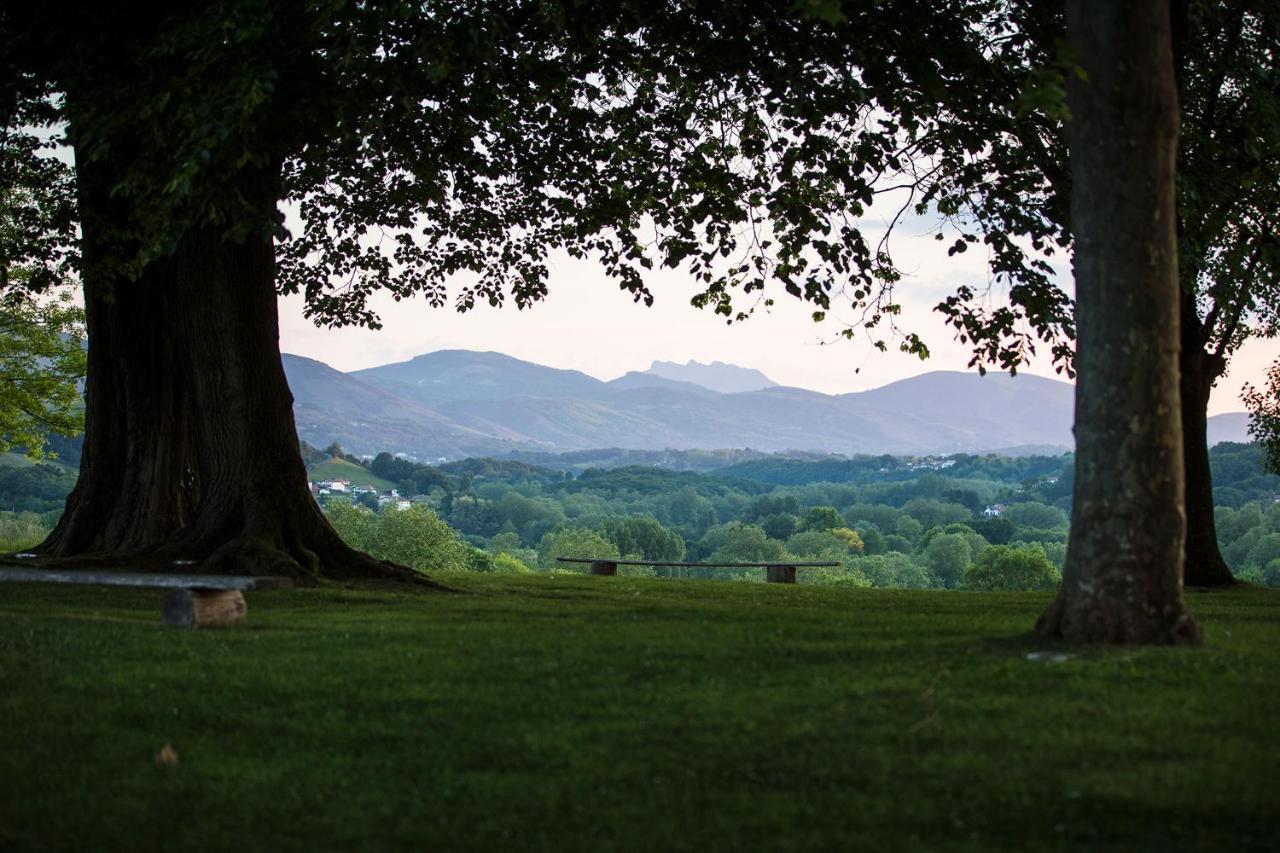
{"x": 995, "y": 410}
{"x": 717, "y": 376}
{"x": 330, "y": 406}
{"x": 458, "y": 403}
{"x": 1232, "y": 426}
{"x": 447, "y": 375}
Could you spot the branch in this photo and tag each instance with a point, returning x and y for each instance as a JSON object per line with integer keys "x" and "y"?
{"x": 1237, "y": 311}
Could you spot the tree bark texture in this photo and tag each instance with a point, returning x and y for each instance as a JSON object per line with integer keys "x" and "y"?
{"x": 190, "y": 450}
{"x": 1123, "y": 579}
{"x": 1199, "y": 369}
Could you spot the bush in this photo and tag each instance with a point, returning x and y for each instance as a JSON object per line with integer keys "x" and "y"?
{"x": 1005, "y": 568}
{"x": 414, "y": 537}
{"x": 507, "y": 564}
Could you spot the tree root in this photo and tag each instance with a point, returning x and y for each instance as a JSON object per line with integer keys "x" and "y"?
{"x": 1087, "y": 622}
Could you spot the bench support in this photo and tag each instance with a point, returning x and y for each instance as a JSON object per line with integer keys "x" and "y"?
{"x": 604, "y": 567}
{"x": 204, "y": 608}
{"x": 780, "y": 574}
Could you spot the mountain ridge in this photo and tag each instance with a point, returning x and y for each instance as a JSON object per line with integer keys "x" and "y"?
{"x": 453, "y": 403}
{"x": 716, "y": 376}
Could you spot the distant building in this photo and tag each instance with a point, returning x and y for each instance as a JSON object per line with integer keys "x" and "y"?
{"x": 993, "y": 511}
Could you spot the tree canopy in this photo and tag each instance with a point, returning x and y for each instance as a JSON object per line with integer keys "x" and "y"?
{"x": 41, "y": 329}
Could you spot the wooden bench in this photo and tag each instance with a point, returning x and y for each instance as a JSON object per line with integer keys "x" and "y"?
{"x": 196, "y": 601}
{"x": 774, "y": 572}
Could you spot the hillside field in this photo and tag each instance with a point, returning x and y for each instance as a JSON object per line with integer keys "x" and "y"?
{"x": 570, "y": 713}
{"x": 341, "y": 469}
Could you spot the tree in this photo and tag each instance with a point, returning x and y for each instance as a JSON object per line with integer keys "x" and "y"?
{"x": 947, "y": 556}
{"x": 1264, "y": 418}
{"x": 779, "y": 525}
{"x": 934, "y": 513}
{"x": 42, "y": 356}
{"x": 1228, "y": 199}
{"x": 42, "y": 359}
{"x": 574, "y": 542}
{"x": 1228, "y": 217}
{"x": 736, "y": 542}
{"x": 1034, "y": 514}
{"x": 477, "y": 137}
{"x": 894, "y": 571}
{"x": 1123, "y": 578}
{"x": 821, "y": 518}
{"x": 643, "y": 535}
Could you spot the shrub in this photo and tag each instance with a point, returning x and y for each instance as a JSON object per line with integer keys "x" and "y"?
{"x": 1008, "y": 568}
{"x": 507, "y": 564}
{"x": 414, "y": 537}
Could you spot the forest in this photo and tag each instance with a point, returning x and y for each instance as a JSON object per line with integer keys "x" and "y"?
{"x": 956, "y": 522}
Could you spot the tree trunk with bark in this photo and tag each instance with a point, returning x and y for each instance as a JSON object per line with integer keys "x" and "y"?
{"x": 1123, "y": 579}
{"x": 190, "y": 450}
{"x": 1204, "y": 565}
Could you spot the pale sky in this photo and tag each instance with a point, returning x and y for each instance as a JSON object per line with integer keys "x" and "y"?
{"x": 588, "y": 324}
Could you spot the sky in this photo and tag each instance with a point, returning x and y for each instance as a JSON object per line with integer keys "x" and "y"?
{"x": 586, "y": 323}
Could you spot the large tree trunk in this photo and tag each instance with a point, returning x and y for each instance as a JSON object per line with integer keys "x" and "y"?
{"x": 1204, "y": 565}
{"x": 1123, "y": 579}
{"x": 190, "y": 449}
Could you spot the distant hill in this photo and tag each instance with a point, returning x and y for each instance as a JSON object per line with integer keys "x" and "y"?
{"x": 457, "y": 403}
{"x": 449, "y": 375}
{"x": 333, "y": 406}
{"x": 717, "y": 376}
{"x": 1232, "y": 426}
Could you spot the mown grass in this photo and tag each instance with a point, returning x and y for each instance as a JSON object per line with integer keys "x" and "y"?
{"x": 555, "y": 712}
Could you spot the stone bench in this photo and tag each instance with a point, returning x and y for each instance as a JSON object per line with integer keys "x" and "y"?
{"x": 196, "y": 601}
{"x": 774, "y": 572}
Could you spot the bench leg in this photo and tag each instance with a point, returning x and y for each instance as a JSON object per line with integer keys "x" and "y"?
{"x": 780, "y": 574}
{"x": 204, "y": 608}
{"x": 604, "y": 567}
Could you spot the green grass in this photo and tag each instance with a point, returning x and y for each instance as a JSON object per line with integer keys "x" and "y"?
{"x": 341, "y": 469}
{"x": 587, "y": 713}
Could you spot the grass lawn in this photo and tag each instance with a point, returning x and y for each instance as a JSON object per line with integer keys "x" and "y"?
{"x": 598, "y": 713}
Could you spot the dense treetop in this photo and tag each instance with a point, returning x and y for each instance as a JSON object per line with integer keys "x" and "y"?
{"x": 745, "y": 143}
